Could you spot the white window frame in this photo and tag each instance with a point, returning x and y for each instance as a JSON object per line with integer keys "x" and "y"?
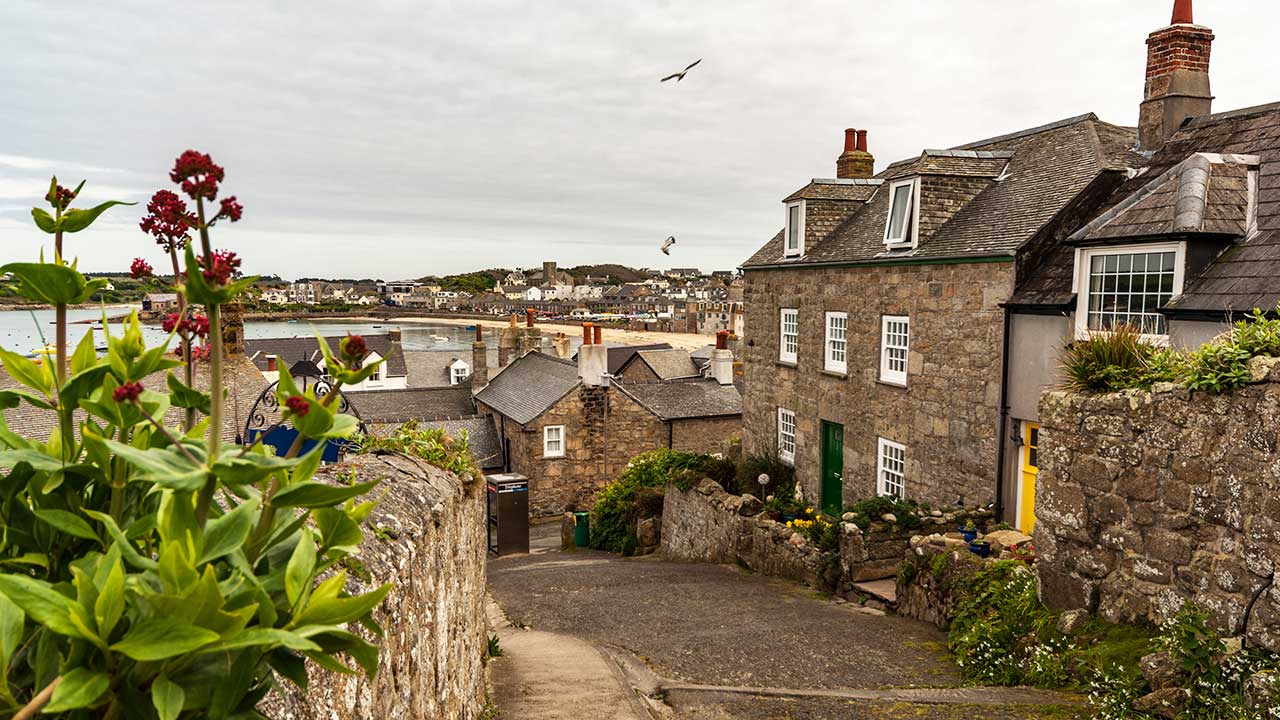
{"x": 831, "y": 362}
{"x": 547, "y": 440}
{"x": 911, "y": 223}
{"x": 888, "y": 373}
{"x": 458, "y": 374}
{"x": 785, "y": 354}
{"x": 887, "y": 477}
{"x": 787, "y": 250}
{"x": 1080, "y": 281}
{"x": 786, "y": 441}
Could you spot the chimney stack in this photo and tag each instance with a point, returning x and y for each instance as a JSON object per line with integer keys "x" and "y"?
{"x": 532, "y": 338}
{"x": 855, "y": 163}
{"x": 233, "y": 329}
{"x": 508, "y": 343}
{"x": 722, "y": 359}
{"x": 479, "y": 361}
{"x": 1177, "y": 85}
{"x": 593, "y": 359}
{"x": 563, "y": 348}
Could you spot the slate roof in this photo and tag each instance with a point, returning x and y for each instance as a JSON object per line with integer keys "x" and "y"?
{"x": 668, "y": 364}
{"x": 836, "y": 189}
{"x": 243, "y": 383}
{"x": 686, "y": 399}
{"x": 620, "y": 355}
{"x": 402, "y": 405}
{"x": 1247, "y": 273}
{"x": 430, "y": 368}
{"x": 1205, "y": 194}
{"x": 293, "y": 349}
{"x": 1014, "y": 184}
{"x": 529, "y": 386}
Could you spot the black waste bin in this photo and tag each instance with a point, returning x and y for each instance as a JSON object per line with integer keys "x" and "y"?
{"x": 508, "y": 514}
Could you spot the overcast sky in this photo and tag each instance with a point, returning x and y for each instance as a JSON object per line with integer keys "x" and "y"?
{"x": 388, "y": 138}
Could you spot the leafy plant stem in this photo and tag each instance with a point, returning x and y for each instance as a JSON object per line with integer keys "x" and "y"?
{"x": 215, "y": 379}
{"x": 188, "y": 370}
{"x": 39, "y": 701}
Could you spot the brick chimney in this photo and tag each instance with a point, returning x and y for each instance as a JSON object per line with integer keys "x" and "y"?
{"x": 531, "y": 339}
{"x": 479, "y": 361}
{"x": 1177, "y": 85}
{"x": 508, "y": 343}
{"x": 855, "y": 163}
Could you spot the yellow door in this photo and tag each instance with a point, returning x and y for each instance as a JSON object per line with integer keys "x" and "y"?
{"x": 1030, "y": 469}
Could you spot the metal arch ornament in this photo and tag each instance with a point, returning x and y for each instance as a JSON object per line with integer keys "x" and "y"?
{"x": 267, "y": 406}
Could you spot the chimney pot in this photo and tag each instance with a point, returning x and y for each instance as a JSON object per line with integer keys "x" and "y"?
{"x": 586, "y": 333}
{"x": 722, "y": 340}
{"x": 597, "y": 335}
{"x": 850, "y": 140}
{"x": 528, "y": 317}
{"x": 479, "y": 333}
{"x": 1182, "y": 13}
{"x": 271, "y": 363}
{"x": 862, "y": 141}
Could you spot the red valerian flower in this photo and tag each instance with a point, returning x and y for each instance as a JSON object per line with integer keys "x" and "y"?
{"x": 298, "y": 405}
{"x": 60, "y": 197}
{"x": 140, "y": 269}
{"x": 200, "y": 352}
{"x": 221, "y": 267}
{"x": 231, "y": 209}
{"x": 353, "y": 349}
{"x": 198, "y": 325}
{"x": 170, "y": 322}
{"x": 128, "y": 392}
{"x": 167, "y": 219}
{"x": 197, "y": 174}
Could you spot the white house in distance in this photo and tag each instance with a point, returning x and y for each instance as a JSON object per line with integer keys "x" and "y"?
{"x": 302, "y": 354}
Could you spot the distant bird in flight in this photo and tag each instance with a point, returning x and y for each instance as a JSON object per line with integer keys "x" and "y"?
{"x": 666, "y": 245}
{"x": 680, "y": 75}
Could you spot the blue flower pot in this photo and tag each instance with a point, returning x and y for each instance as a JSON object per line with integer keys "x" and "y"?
{"x": 981, "y": 548}
{"x": 968, "y": 535}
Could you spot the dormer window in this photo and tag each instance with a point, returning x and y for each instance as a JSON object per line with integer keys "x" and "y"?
{"x": 793, "y": 235}
{"x": 900, "y": 228}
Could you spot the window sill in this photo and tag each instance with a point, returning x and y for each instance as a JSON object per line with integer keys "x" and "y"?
{"x": 843, "y": 375}
{"x": 892, "y": 384}
{"x": 786, "y": 364}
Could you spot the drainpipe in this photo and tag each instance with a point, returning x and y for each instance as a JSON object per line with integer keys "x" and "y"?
{"x": 1004, "y": 417}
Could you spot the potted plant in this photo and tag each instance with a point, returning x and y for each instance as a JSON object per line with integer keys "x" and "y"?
{"x": 1026, "y": 552}
{"x": 969, "y": 531}
{"x": 981, "y": 548}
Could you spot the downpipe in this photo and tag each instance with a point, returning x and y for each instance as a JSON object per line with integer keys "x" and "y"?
{"x": 1244, "y": 622}
{"x": 1003, "y": 430}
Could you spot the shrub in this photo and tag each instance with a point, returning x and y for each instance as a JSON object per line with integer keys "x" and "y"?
{"x": 782, "y": 477}
{"x": 1117, "y": 360}
{"x": 613, "y": 518}
{"x": 821, "y": 532}
{"x": 872, "y": 509}
{"x": 1217, "y": 367}
{"x": 430, "y": 444}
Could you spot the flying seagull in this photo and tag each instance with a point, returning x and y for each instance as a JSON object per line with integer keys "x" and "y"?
{"x": 666, "y": 245}
{"x": 680, "y": 75}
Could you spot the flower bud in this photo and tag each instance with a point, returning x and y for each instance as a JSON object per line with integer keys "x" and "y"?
{"x": 128, "y": 392}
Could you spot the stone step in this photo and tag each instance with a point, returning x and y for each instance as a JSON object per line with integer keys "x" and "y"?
{"x": 885, "y": 591}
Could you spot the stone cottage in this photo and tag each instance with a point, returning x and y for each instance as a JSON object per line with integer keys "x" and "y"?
{"x": 571, "y": 427}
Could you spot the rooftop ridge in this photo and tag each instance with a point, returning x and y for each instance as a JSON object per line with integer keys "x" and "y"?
{"x": 970, "y": 154}
{"x": 1030, "y": 131}
{"x": 1232, "y": 114}
{"x": 846, "y": 181}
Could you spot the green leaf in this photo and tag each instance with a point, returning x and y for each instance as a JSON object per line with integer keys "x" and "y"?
{"x": 289, "y": 665}
{"x": 317, "y": 495}
{"x": 27, "y": 372}
{"x": 162, "y": 638}
{"x": 338, "y": 532}
{"x": 76, "y": 220}
{"x": 10, "y": 399}
{"x": 127, "y": 550}
{"x": 41, "y": 603}
{"x": 228, "y": 533}
{"x": 110, "y": 603}
{"x": 168, "y": 468}
{"x": 44, "y": 220}
{"x": 182, "y": 396}
{"x": 80, "y": 688}
{"x": 263, "y": 637}
{"x": 86, "y": 354}
{"x": 82, "y": 384}
{"x": 67, "y": 522}
{"x": 297, "y": 577}
{"x": 11, "y": 622}
{"x": 168, "y": 698}
{"x": 335, "y": 611}
{"x": 51, "y": 283}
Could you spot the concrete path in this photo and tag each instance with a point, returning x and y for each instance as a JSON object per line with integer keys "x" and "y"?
{"x": 715, "y": 642}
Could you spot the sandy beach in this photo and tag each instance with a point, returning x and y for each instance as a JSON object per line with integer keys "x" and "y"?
{"x": 688, "y": 341}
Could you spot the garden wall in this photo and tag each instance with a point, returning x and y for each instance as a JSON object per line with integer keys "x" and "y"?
{"x": 1149, "y": 499}
{"x": 430, "y": 541}
{"x": 707, "y": 524}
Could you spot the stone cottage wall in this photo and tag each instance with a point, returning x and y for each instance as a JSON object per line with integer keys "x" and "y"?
{"x": 704, "y": 435}
{"x": 431, "y": 664}
{"x": 947, "y": 415}
{"x": 1148, "y": 499}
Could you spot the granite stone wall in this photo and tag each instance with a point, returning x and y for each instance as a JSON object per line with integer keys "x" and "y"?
{"x": 431, "y": 544}
{"x": 1149, "y": 499}
{"x": 704, "y": 435}
{"x": 946, "y": 416}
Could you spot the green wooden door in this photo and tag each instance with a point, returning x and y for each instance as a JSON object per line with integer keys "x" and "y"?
{"x": 832, "y": 468}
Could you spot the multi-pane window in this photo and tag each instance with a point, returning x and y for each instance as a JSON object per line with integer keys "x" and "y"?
{"x": 789, "y": 336}
{"x": 786, "y": 435}
{"x": 794, "y": 232}
{"x": 837, "y": 342}
{"x": 895, "y": 338}
{"x": 1129, "y": 288}
{"x": 460, "y": 374}
{"x": 899, "y": 228}
{"x": 553, "y": 441}
{"x": 891, "y": 470}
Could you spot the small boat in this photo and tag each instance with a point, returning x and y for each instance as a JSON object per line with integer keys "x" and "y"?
{"x": 439, "y": 338}
{"x": 471, "y": 328}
